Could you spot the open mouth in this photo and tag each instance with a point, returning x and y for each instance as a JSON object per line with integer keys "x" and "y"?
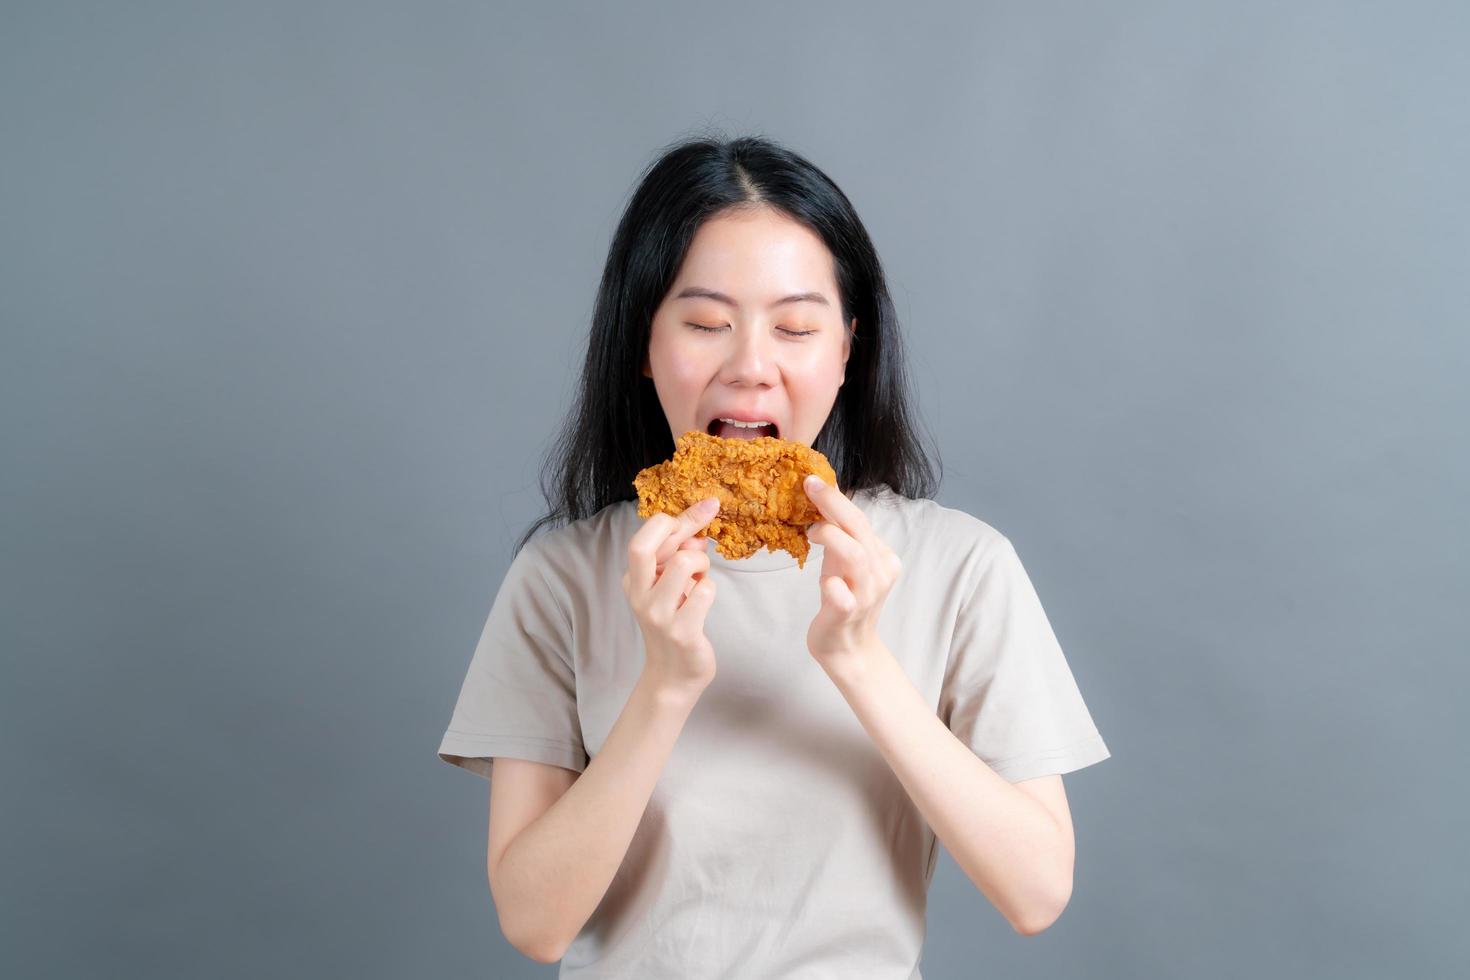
{"x": 743, "y": 430}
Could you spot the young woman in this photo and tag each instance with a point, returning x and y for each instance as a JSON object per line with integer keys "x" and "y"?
{"x": 741, "y": 768}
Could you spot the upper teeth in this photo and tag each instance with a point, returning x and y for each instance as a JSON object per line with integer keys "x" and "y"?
{"x": 746, "y": 425}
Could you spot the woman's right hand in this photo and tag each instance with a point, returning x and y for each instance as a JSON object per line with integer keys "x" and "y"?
{"x": 667, "y": 586}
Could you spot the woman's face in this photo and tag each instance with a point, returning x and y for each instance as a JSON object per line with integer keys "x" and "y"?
{"x": 762, "y": 359}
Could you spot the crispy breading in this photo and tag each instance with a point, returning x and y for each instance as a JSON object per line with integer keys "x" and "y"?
{"x": 758, "y": 481}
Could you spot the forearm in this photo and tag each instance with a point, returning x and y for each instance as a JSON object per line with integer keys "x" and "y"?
{"x": 1006, "y": 842}
{"x": 556, "y": 871}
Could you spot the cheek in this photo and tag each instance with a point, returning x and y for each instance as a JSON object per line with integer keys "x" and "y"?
{"x": 679, "y": 367}
{"x": 816, "y": 371}
{"x": 812, "y": 393}
{"x": 687, "y": 370}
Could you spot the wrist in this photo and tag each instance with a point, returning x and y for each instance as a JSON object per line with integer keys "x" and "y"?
{"x": 859, "y": 666}
{"x": 673, "y": 695}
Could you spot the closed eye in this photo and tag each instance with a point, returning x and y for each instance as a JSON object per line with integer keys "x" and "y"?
{"x": 703, "y": 329}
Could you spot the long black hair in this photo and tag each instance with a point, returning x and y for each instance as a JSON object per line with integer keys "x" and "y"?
{"x": 617, "y": 426}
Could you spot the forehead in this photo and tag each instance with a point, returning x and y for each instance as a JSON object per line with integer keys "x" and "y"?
{"x": 756, "y": 258}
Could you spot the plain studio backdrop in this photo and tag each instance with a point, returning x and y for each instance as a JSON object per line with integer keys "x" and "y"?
{"x": 293, "y": 296}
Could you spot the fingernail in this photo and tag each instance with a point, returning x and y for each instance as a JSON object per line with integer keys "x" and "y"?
{"x": 813, "y": 482}
{"x": 709, "y": 505}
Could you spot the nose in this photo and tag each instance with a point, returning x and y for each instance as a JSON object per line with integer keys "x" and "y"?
{"x": 751, "y": 360}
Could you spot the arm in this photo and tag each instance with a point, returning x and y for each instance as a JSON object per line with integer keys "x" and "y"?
{"x": 554, "y": 873}
{"x": 1013, "y": 843}
{"x": 1017, "y": 848}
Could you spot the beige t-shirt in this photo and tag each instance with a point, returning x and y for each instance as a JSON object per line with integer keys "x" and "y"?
{"x": 777, "y": 842}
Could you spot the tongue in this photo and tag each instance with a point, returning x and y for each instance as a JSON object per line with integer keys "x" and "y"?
{"x": 728, "y": 431}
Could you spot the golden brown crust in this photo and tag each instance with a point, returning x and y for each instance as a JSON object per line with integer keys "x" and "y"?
{"x": 758, "y": 481}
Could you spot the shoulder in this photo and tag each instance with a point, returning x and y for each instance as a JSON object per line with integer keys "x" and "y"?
{"x": 573, "y": 549}
{"x": 927, "y": 529}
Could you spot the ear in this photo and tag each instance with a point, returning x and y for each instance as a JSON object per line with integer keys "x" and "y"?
{"x": 647, "y": 371}
{"x": 847, "y": 342}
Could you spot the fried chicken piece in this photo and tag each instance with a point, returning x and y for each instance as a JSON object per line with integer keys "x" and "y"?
{"x": 758, "y": 481}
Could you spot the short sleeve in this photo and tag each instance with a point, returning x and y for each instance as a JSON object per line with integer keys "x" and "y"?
{"x": 1008, "y": 692}
{"x": 519, "y": 696}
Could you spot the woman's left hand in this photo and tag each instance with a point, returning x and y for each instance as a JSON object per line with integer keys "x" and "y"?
{"x": 858, "y": 570}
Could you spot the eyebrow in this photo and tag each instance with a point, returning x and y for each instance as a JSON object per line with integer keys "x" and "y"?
{"x": 699, "y": 292}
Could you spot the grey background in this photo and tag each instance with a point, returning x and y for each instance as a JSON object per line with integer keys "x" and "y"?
{"x": 293, "y": 296}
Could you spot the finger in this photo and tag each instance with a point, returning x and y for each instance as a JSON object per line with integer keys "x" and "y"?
{"x": 642, "y": 549}
{"x": 837, "y": 595}
{"x": 836, "y": 507}
{"x": 646, "y": 544}
{"x": 691, "y": 614}
{"x": 695, "y": 544}
{"x": 847, "y": 554}
{"x": 675, "y": 582}
{"x": 693, "y": 520}
{"x": 845, "y": 558}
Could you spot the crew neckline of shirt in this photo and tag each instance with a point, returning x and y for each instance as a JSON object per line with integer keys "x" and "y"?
{"x": 766, "y": 560}
{"x": 762, "y": 561}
